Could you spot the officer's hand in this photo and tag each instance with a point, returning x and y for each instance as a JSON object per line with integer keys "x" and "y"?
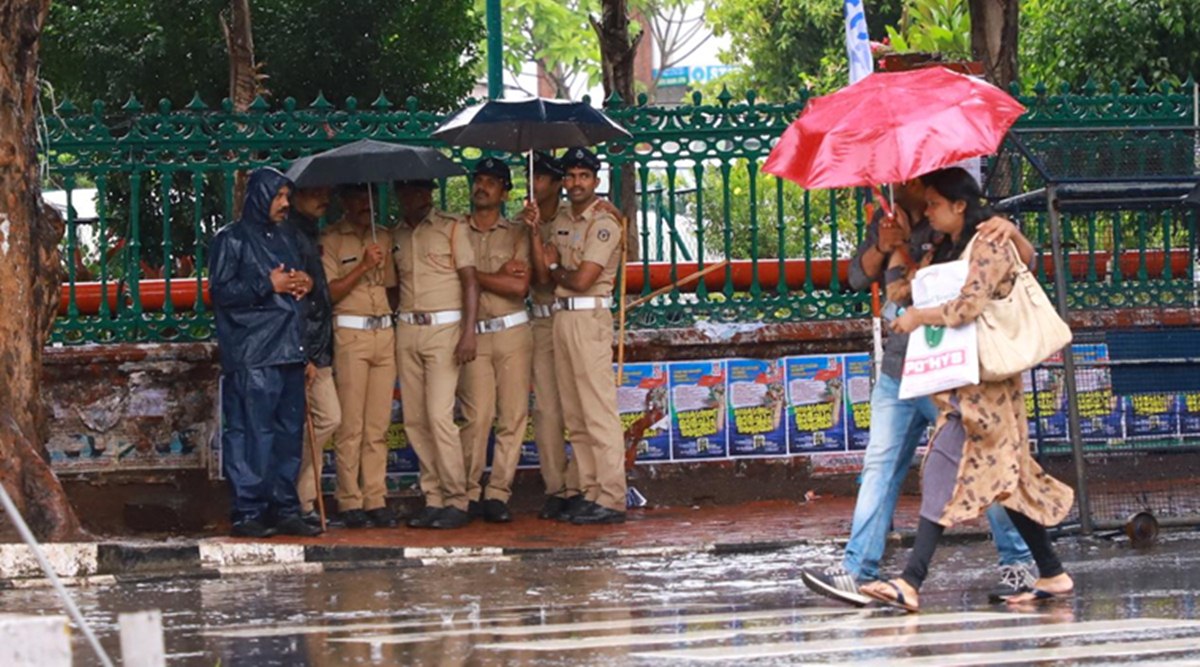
{"x": 310, "y": 374}
{"x": 301, "y": 284}
{"x": 551, "y": 254}
{"x": 515, "y": 268}
{"x": 531, "y": 214}
{"x": 281, "y": 280}
{"x": 464, "y": 352}
{"x": 372, "y": 256}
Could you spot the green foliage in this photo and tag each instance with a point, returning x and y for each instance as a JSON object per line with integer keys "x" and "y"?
{"x": 170, "y": 49}
{"x": 787, "y": 46}
{"x": 934, "y": 26}
{"x": 1072, "y": 41}
{"x": 554, "y": 32}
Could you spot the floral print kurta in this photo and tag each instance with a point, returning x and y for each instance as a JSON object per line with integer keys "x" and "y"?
{"x": 996, "y": 464}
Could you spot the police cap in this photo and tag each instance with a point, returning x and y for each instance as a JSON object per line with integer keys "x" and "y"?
{"x": 493, "y": 167}
{"x": 545, "y": 163}
{"x": 580, "y": 157}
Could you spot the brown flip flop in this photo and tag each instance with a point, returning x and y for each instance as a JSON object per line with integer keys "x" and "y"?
{"x": 898, "y": 602}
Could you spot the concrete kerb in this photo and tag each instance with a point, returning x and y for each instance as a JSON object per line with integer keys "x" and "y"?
{"x": 91, "y": 564}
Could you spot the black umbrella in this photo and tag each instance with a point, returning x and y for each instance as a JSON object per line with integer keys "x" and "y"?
{"x": 537, "y": 123}
{"x": 369, "y": 161}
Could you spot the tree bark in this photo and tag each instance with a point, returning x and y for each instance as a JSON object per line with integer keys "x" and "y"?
{"x": 994, "y": 30}
{"x": 618, "y": 52}
{"x": 245, "y": 76}
{"x": 30, "y": 274}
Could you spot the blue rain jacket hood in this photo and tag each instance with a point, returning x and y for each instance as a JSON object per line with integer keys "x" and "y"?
{"x": 256, "y": 327}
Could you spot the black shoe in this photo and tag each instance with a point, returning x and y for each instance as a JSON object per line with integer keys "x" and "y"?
{"x": 250, "y": 528}
{"x": 294, "y": 525}
{"x": 496, "y": 511}
{"x": 475, "y": 509}
{"x": 574, "y": 505}
{"x": 355, "y": 519}
{"x": 553, "y": 507}
{"x": 312, "y": 518}
{"x": 598, "y": 515}
{"x": 382, "y": 517}
{"x": 424, "y": 518}
{"x": 450, "y": 517}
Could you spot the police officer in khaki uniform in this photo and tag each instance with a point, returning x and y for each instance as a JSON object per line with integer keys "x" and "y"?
{"x": 364, "y": 364}
{"x": 435, "y": 336}
{"x": 495, "y": 386}
{"x": 559, "y": 473}
{"x": 587, "y": 242}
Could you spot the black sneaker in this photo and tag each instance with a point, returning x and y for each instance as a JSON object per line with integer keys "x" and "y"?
{"x": 552, "y": 507}
{"x": 312, "y": 518}
{"x": 1014, "y": 579}
{"x": 450, "y": 517}
{"x": 475, "y": 509}
{"x": 496, "y": 511}
{"x": 597, "y": 515}
{"x": 355, "y": 519}
{"x": 574, "y": 505}
{"x": 834, "y": 583}
{"x": 294, "y": 525}
{"x": 382, "y": 517}
{"x": 250, "y": 528}
{"x": 424, "y": 518}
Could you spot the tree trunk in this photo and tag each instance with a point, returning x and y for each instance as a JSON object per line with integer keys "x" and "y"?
{"x": 618, "y": 53}
{"x": 994, "y": 32}
{"x": 30, "y": 274}
{"x": 245, "y": 79}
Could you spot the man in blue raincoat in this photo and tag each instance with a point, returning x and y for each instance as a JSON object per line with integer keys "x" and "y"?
{"x": 257, "y": 282}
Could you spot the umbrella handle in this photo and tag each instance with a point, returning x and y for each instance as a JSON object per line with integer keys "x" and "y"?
{"x": 529, "y": 178}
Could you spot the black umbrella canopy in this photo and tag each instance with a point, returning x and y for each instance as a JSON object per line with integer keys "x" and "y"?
{"x": 536, "y": 123}
{"x": 369, "y": 161}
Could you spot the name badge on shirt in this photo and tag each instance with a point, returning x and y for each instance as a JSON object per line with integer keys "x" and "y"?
{"x": 347, "y": 260}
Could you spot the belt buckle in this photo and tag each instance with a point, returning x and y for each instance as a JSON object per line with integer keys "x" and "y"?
{"x": 492, "y": 326}
{"x": 423, "y": 319}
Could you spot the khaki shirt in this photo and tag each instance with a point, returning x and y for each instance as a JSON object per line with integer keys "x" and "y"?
{"x": 342, "y": 247}
{"x": 544, "y": 294}
{"x": 594, "y": 236}
{"x": 505, "y": 241}
{"x": 428, "y": 257}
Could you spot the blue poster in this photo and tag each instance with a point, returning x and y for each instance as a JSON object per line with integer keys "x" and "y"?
{"x": 698, "y": 411}
{"x": 642, "y": 402}
{"x": 816, "y": 404}
{"x": 1189, "y": 415}
{"x": 1099, "y": 410}
{"x": 529, "y": 451}
{"x": 858, "y": 400}
{"x": 401, "y": 458}
{"x": 1046, "y": 404}
{"x": 757, "y": 405}
{"x": 1151, "y": 415}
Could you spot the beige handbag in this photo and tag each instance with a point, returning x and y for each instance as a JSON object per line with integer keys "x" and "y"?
{"x": 1019, "y": 331}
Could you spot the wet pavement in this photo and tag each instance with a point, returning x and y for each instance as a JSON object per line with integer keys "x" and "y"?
{"x": 1130, "y": 607}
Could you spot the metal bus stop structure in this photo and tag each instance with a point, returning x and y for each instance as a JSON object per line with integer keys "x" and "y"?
{"x": 1126, "y": 171}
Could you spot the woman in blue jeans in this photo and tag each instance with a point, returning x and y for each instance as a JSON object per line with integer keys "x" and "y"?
{"x": 898, "y": 424}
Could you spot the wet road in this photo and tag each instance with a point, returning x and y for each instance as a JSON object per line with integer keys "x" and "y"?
{"x": 1131, "y": 607}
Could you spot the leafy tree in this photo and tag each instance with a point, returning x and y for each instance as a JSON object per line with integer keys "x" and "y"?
{"x": 1072, "y": 41}
{"x": 172, "y": 48}
{"x": 933, "y": 26}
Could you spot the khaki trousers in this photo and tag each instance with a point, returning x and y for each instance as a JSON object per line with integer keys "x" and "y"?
{"x": 326, "y": 416}
{"x": 364, "y": 368}
{"x": 587, "y": 384}
{"x": 560, "y": 474}
{"x": 495, "y": 389}
{"x": 428, "y": 380}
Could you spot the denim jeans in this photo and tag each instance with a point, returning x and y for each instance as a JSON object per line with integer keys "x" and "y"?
{"x": 896, "y": 429}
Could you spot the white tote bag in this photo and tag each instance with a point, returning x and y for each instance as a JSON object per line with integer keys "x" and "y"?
{"x": 940, "y": 358}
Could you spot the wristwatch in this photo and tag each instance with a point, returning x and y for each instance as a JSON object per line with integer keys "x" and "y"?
{"x": 552, "y": 266}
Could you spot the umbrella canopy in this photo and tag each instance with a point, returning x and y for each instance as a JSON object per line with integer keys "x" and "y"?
{"x": 892, "y": 127}
{"x": 369, "y": 161}
{"x": 537, "y": 123}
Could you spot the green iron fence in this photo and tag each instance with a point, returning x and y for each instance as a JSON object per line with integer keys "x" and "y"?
{"x": 164, "y": 182}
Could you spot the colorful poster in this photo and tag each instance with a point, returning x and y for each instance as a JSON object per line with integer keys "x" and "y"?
{"x": 698, "y": 409}
{"x": 858, "y": 400}
{"x": 529, "y": 451}
{"x": 816, "y": 404}
{"x": 1151, "y": 415}
{"x": 757, "y": 404}
{"x": 1099, "y": 410}
{"x": 1046, "y": 401}
{"x": 401, "y": 458}
{"x": 1189, "y": 414}
{"x": 642, "y": 403}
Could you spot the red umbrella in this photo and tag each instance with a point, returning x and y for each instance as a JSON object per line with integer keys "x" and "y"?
{"x": 891, "y": 127}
